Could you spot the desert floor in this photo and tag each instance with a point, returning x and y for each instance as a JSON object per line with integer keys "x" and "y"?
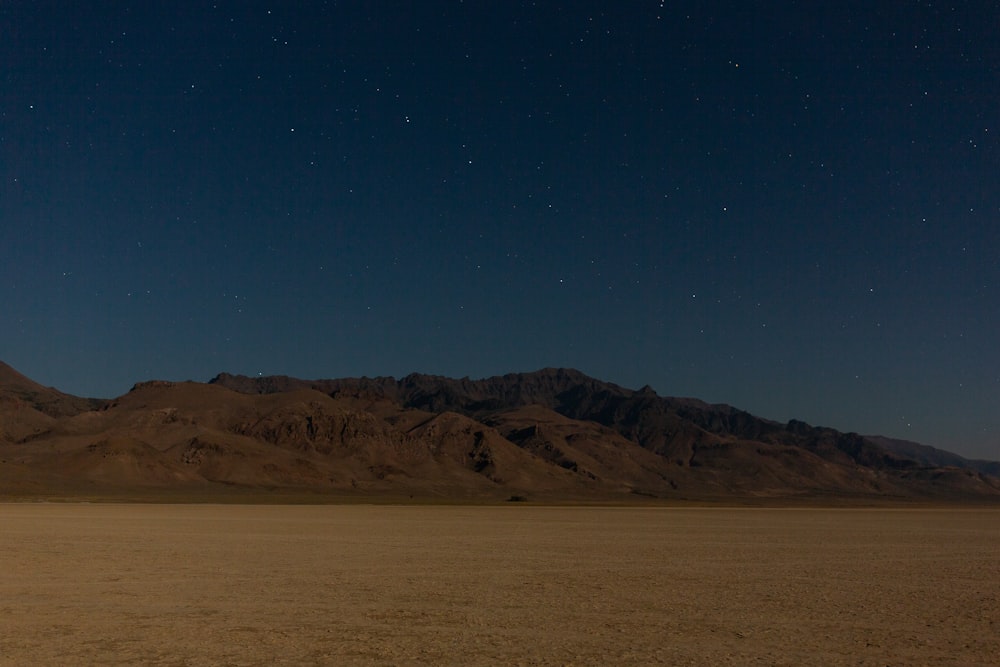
{"x": 519, "y": 585}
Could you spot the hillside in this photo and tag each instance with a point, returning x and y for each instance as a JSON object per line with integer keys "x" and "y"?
{"x": 18, "y": 389}
{"x": 554, "y": 434}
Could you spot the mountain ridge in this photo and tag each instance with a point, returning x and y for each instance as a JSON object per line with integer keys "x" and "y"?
{"x": 549, "y": 435}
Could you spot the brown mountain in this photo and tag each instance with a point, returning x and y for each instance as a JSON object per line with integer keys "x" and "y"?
{"x": 551, "y": 434}
{"x": 934, "y": 457}
{"x": 16, "y": 388}
{"x": 28, "y": 408}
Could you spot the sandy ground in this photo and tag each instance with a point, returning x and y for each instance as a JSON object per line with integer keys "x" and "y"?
{"x": 389, "y": 585}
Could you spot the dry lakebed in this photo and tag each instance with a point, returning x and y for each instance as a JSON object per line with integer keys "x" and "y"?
{"x": 154, "y": 584}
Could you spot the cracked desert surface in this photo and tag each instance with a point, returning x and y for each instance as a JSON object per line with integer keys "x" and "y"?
{"x": 151, "y": 584}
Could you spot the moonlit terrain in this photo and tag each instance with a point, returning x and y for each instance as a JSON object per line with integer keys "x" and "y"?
{"x": 384, "y": 585}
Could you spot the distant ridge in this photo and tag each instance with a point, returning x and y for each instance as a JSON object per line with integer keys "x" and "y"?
{"x": 665, "y": 425}
{"x": 549, "y": 435}
{"x": 932, "y": 456}
{"x": 669, "y": 426}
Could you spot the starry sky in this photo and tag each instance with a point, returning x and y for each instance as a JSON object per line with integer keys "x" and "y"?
{"x": 790, "y": 207}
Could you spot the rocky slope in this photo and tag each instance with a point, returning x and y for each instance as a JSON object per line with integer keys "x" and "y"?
{"x": 548, "y": 435}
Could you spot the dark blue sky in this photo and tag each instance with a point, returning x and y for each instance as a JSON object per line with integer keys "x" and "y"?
{"x": 793, "y": 209}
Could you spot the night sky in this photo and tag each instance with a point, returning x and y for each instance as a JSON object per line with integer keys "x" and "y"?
{"x": 790, "y": 207}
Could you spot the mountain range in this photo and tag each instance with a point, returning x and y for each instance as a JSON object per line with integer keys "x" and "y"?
{"x": 549, "y": 435}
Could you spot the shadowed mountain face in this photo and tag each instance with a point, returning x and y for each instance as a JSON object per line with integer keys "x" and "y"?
{"x": 551, "y": 434}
